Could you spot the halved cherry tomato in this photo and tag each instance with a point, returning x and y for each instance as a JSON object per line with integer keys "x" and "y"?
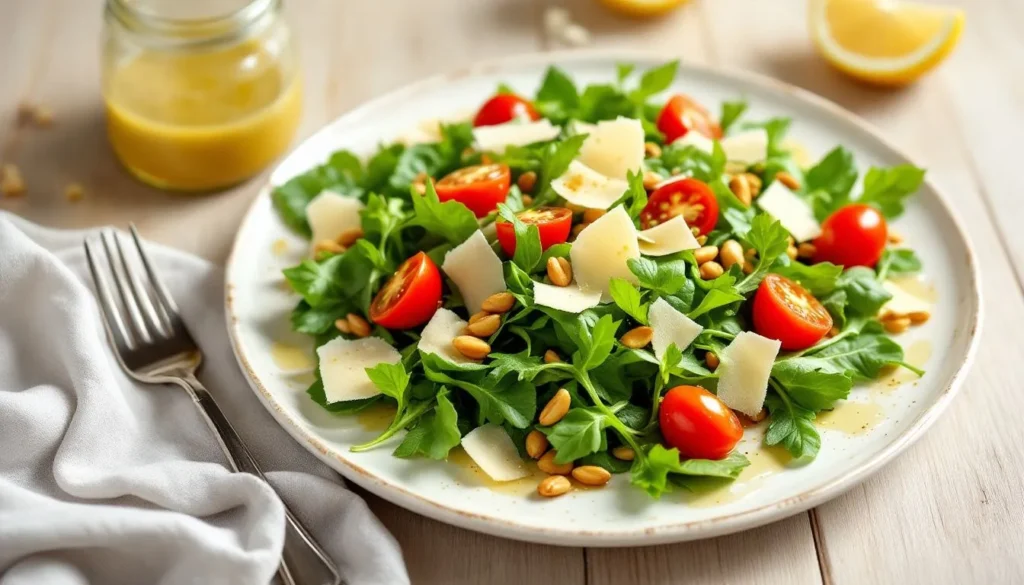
{"x": 410, "y": 297}
{"x": 697, "y": 423}
{"x": 689, "y": 198}
{"x": 504, "y": 107}
{"x": 553, "y": 223}
{"x": 784, "y": 310}
{"x": 854, "y": 235}
{"x": 480, "y": 187}
{"x": 681, "y": 115}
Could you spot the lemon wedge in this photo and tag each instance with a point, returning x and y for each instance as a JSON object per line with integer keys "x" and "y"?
{"x": 884, "y": 42}
{"x": 643, "y": 8}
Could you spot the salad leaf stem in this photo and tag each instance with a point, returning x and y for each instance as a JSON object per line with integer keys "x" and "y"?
{"x": 411, "y": 414}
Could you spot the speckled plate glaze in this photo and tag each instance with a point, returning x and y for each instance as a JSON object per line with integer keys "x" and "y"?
{"x": 878, "y": 422}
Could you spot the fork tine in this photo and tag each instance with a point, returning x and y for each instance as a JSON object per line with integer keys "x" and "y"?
{"x": 111, "y": 316}
{"x": 152, "y": 318}
{"x": 127, "y": 297}
{"x": 163, "y": 295}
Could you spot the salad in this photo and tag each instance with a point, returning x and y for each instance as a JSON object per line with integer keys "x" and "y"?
{"x": 602, "y": 279}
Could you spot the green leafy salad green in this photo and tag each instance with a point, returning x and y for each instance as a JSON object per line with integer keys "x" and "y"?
{"x": 616, "y": 389}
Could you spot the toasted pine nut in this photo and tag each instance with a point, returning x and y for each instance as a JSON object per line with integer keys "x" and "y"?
{"x": 623, "y": 453}
{"x": 732, "y": 253}
{"x": 551, "y": 357}
{"x": 343, "y": 326}
{"x": 791, "y": 241}
{"x": 556, "y": 408}
{"x": 895, "y": 237}
{"x": 637, "y": 337}
{"x": 749, "y": 421}
{"x": 349, "y": 237}
{"x": 651, "y": 149}
{"x": 477, "y": 316}
{"x": 74, "y": 192}
{"x": 536, "y": 444}
{"x": 651, "y": 180}
{"x": 547, "y": 464}
{"x": 787, "y": 180}
{"x": 592, "y": 215}
{"x": 328, "y": 246}
{"x": 527, "y": 200}
{"x": 711, "y": 360}
{"x": 755, "y": 184}
{"x": 471, "y": 347}
{"x": 791, "y": 252}
{"x": 702, "y": 240}
{"x": 485, "y": 327}
{"x": 360, "y": 327}
{"x": 750, "y": 254}
{"x": 711, "y": 270}
{"x": 695, "y": 231}
{"x": 896, "y": 325}
{"x": 748, "y": 267}
{"x": 918, "y": 317}
{"x": 527, "y": 181}
{"x": 591, "y": 475}
{"x": 832, "y": 332}
{"x": 419, "y": 182}
{"x": 11, "y": 183}
{"x": 554, "y": 486}
{"x": 741, "y": 189}
{"x": 806, "y": 250}
{"x": 499, "y": 302}
{"x": 559, "y": 271}
{"x": 705, "y": 254}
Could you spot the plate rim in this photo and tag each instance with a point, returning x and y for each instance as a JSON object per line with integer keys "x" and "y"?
{"x": 676, "y": 532}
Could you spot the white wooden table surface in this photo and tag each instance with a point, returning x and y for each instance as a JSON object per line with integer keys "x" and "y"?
{"x": 951, "y": 510}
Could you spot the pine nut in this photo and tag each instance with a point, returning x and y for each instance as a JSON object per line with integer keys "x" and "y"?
{"x": 754, "y": 182}
{"x": 623, "y": 453}
{"x": 591, "y": 475}
{"x": 547, "y": 464}
{"x": 554, "y": 486}
{"x": 485, "y": 327}
{"x": 791, "y": 252}
{"x": 536, "y": 444}
{"x": 832, "y": 332}
{"x": 895, "y": 238}
{"x": 360, "y": 327}
{"x": 806, "y": 250}
{"x": 527, "y": 200}
{"x": 651, "y": 150}
{"x": 732, "y": 253}
{"x": 556, "y": 408}
{"x": 896, "y": 325}
{"x": 592, "y": 215}
{"x": 651, "y": 180}
{"x": 471, "y": 347}
{"x": 750, "y": 254}
{"x": 559, "y": 271}
{"x": 74, "y": 192}
{"x": 749, "y": 421}
{"x": 551, "y": 357}
{"x": 702, "y": 240}
{"x": 695, "y": 231}
{"x": 711, "y": 360}
{"x": 349, "y": 237}
{"x": 327, "y": 246}
{"x": 748, "y": 267}
{"x": 787, "y": 180}
{"x": 711, "y": 270}
{"x": 419, "y": 182}
{"x": 342, "y": 325}
{"x": 11, "y": 182}
{"x": 477, "y": 316}
{"x": 637, "y": 337}
{"x": 499, "y": 302}
{"x": 741, "y": 189}
{"x": 918, "y": 317}
{"x": 527, "y": 181}
{"x": 705, "y": 254}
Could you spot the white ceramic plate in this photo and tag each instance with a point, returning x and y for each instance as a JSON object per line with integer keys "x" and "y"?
{"x": 878, "y": 422}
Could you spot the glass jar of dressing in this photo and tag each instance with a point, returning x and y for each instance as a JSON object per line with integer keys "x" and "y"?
{"x": 200, "y": 94}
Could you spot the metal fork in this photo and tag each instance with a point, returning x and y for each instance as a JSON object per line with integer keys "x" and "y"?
{"x": 154, "y": 347}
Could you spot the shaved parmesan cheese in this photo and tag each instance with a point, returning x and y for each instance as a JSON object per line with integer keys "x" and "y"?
{"x": 670, "y": 326}
{"x": 496, "y": 138}
{"x": 749, "y": 147}
{"x": 694, "y": 138}
{"x": 586, "y": 187}
{"x": 330, "y": 214}
{"x": 475, "y": 269}
{"x": 437, "y": 337}
{"x": 570, "y": 299}
{"x": 600, "y": 252}
{"x": 668, "y": 238}
{"x": 343, "y": 366}
{"x": 793, "y": 213}
{"x": 903, "y": 301}
{"x": 492, "y": 449}
{"x": 614, "y": 147}
{"x": 743, "y": 372}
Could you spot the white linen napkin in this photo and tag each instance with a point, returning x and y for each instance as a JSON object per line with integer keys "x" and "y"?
{"x": 105, "y": 481}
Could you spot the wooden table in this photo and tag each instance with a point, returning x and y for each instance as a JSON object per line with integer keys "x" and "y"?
{"x": 948, "y": 511}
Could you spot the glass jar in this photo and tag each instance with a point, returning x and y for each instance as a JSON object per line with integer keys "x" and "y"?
{"x": 199, "y": 94}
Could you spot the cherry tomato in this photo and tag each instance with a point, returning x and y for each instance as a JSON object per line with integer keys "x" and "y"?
{"x": 681, "y": 115}
{"x": 410, "y": 297}
{"x": 854, "y": 235}
{"x": 480, "y": 187}
{"x": 553, "y": 223}
{"x": 689, "y": 198}
{"x": 697, "y": 423}
{"x": 504, "y": 107}
{"x": 784, "y": 310}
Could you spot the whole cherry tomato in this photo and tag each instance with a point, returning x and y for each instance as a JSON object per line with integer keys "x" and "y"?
{"x": 854, "y": 235}
{"x": 784, "y": 310}
{"x": 689, "y": 198}
{"x": 410, "y": 297}
{"x": 504, "y": 107}
{"x": 697, "y": 423}
{"x": 681, "y": 115}
{"x": 480, "y": 187}
{"x": 553, "y": 223}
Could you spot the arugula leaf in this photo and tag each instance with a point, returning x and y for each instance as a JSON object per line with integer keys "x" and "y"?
{"x": 689, "y": 160}
{"x": 835, "y": 302}
{"x": 654, "y": 80}
{"x": 414, "y": 160}
{"x": 555, "y": 159}
{"x": 634, "y": 200}
{"x": 628, "y": 298}
{"x": 525, "y": 366}
{"x": 720, "y": 292}
{"x": 820, "y": 279}
{"x": 899, "y": 262}
{"x": 731, "y": 112}
{"x": 380, "y": 167}
{"x": 557, "y": 97}
{"x": 342, "y": 172}
{"x": 607, "y": 461}
{"x": 435, "y": 435}
{"x": 317, "y": 282}
{"x": 316, "y": 393}
{"x": 623, "y": 70}
{"x": 862, "y": 356}
{"x": 792, "y": 426}
{"x": 556, "y": 251}
{"x": 318, "y": 320}
{"x": 834, "y": 176}
{"x": 888, "y": 189}
{"x": 579, "y": 433}
{"x": 864, "y": 294}
{"x": 391, "y": 380}
{"x": 528, "y": 247}
{"x": 451, "y": 220}
{"x": 595, "y": 344}
{"x": 516, "y": 403}
{"x": 812, "y": 382}
{"x": 651, "y": 471}
{"x": 664, "y": 277}
{"x": 771, "y": 240}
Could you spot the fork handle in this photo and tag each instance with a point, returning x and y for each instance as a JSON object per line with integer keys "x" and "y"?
{"x": 303, "y": 562}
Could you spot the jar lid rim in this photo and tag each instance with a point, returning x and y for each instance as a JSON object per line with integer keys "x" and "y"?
{"x": 204, "y": 28}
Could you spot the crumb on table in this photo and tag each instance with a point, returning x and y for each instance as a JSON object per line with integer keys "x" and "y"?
{"x": 11, "y": 183}
{"x": 74, "y": 192}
